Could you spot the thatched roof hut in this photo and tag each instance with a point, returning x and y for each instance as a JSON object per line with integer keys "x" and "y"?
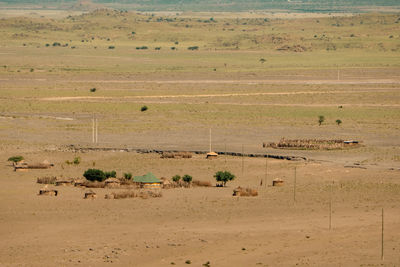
{"x": 90, "y": 195}
{"x": 147, "y": 181}
{"x": 20, "y": 166}
{"x": 211, "y": 155}
{"x": 79, "y": 182}
{"x": 64, "y": 182}
{"x": 48, "y": 192}
{"x": 277, "y": 182}
{"x": 165, "y": 183}
{"x": 112, "y": 182}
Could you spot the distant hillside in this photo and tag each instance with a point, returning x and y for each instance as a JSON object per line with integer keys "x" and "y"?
{"x": 223, "y": 5}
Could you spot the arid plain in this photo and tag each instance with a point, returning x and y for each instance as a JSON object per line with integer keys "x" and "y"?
{"x": 253, "y": 78}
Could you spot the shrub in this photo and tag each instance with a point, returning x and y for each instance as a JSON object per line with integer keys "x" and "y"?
{"x": 321, "y": 119}
{"x": 111, "y": 47}
{"x": 193, "y": 48}
{"x": 16, "y": 159}
{"x": 224, "y": 177}
{"x": 176, "y": 178}
{"x": 128, "y": 176}
{"x": 77, "y": 160}
{"x": 110, "y": 174}
{"x": 157, "y": 48}
{"x": 144, "y": 108}
{"x": 338, "y": 122}
{"x": 56, "y": 44}
{"x": 94, "y": 175}
{"x": 93, "y": 89}
{"x": 47, "y": 45}
{"x": 262, "y": 60}
{"x": 187, "y": 178}
{"x": 173, "y": 48}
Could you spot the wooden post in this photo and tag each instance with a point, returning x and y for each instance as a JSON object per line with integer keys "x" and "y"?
{"x": 93, "y": 129}
{"x": 266, "y": 171}
{"x": 210, "y": 139}
{"x": 225, "y": 154}
{"x": 242, "y": 160}
{"x": 97, "y": 131}
{"x": 294, "y": 186}
{"x": 382, "y": 243}
{"x": 330, "y": 206}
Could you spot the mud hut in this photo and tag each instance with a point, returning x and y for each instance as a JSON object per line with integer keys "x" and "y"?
{"x": 147, "y": 181}
{"x": 277, "y": 182}
{"x": 47, "y": 192}
{"x": 79, "y": 182}
{"x": 112, "y": 182}
{"x": 90, "y": 195}
{"x": 64, "y": 182}
{"x": 211, "y": 155}
{"x": 165, "y": 183}
{"x": 23, "y": 166}
{"x": 244, "y": 192}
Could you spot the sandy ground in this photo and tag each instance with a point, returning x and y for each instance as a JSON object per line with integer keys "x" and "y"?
{"x": 201, "y": 224}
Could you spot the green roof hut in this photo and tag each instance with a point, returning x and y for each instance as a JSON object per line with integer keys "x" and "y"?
{"x": 148, "y": 180}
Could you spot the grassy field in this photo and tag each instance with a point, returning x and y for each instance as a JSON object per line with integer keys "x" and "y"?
{"x": 251, "y": 77}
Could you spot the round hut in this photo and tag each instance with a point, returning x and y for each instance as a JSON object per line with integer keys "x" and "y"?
{"x": 112, "y": 182}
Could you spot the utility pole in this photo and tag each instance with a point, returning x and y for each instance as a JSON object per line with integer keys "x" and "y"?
{"x": 382, "y": 245}
{"x": 242, "y": 160}
{"x": 210, "y": 139}
{"x": 294, "y": 186}
{"x": 93, "y": 130}
{"x": 266, "y": 170}
{"x": 97, "y": 131}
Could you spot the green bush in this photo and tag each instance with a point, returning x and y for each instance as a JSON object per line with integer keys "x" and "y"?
{"x": 176, "y": 178}
{"x": 16, "y": 159}
{"x": 111, "y": 47}
{"x": 93, "y": 90}
{"x": 193, "y": 48}
{"x": 110, "y": 174}
{"x": 128, "y": 176}
{"x": 77, "y": 160}
{"x": 224, "y": 177}
{"x": 187, "y": 178}
{"x": 94, "y": 175}
{"x": 144, "y": 108}
{"x": 321, "y": 119}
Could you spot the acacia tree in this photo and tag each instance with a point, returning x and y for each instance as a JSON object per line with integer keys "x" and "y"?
{"x": 224, "y": 177}
{"x": 16, "y": 159}
{"x": 338, "y": 122}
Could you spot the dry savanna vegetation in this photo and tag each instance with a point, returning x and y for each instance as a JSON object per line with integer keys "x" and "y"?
{"x": 190, "y": 83}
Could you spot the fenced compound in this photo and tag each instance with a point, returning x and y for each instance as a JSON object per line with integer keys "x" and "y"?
{"x": 312, "y": 144}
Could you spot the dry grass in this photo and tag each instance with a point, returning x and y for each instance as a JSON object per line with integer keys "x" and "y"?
{"x": 201, "y": 183}
{"x": 90, "y": 184}
{"x": 133, "y": 194}
{"x": 245, "y": 192}
{"x": 46, "y": 180}
{"x": 176, "y": 155}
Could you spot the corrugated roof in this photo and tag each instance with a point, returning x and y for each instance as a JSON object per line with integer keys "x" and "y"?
{"x": 147, "y": 178}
